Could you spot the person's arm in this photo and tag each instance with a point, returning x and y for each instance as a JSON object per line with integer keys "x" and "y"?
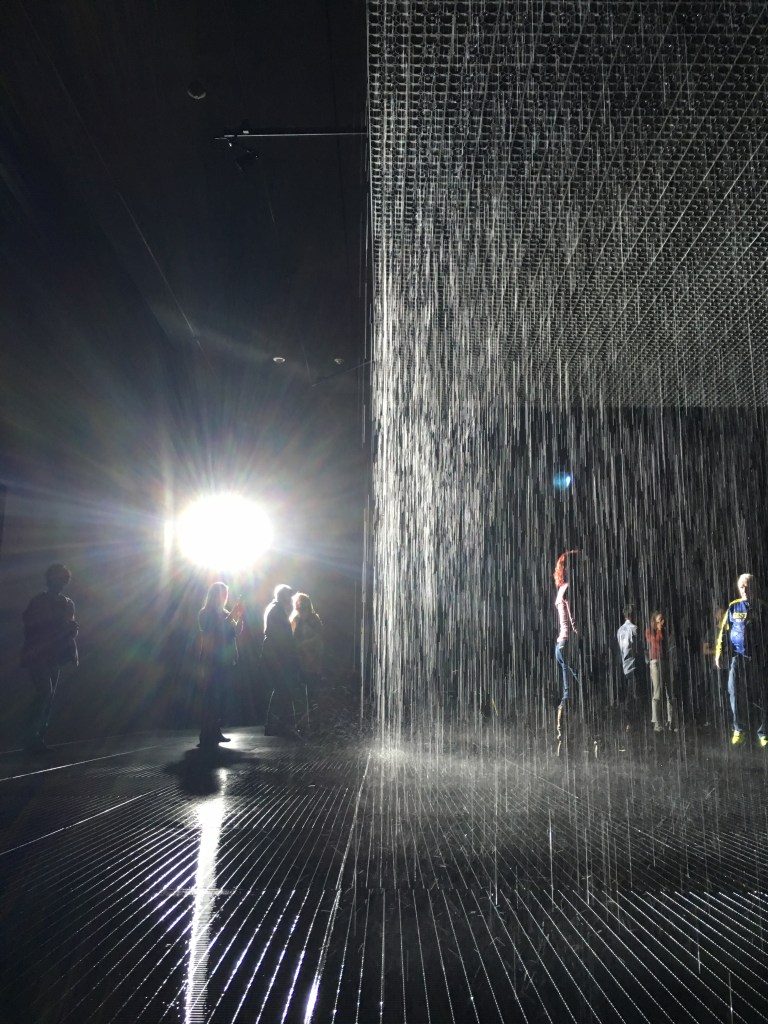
{"x": 634, "y": 646}
{"x": 570, "y": 617}
{"x": 642, "y": 650}
{"x": 725, "y": 625}
{"x": 62, "y": 626}
{"x": 236, "y": 613}
{"x": 72, "y": 626}
{"x": 672, "y": 650}
{"x": 314, "y": 642}
{"x": 234, "y": 619}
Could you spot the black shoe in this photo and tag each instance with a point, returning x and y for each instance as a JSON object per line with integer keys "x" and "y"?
{"x": 221, "y": 738}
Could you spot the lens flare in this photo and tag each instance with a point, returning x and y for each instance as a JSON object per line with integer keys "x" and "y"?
{"x": 223, "y": 531}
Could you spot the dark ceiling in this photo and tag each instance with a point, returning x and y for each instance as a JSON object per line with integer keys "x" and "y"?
{"x": 570, "y": 200}
{"x": 148, "y": 278}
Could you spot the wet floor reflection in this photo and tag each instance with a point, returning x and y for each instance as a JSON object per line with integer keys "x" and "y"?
{"x": 210, "y": 815}
{"x": 272, "y": 883}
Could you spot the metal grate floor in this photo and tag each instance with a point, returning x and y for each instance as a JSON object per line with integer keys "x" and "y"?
{"x": 141, "y": 883}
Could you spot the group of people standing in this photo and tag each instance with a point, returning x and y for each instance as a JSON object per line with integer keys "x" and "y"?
{"x": 292, "y": 658}
{"x": 292, "y": 655}
{"x": 658, "y": 654}
{"x": 741, "y": 646}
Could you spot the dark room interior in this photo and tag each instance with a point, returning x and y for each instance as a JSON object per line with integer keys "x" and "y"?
{"x": 467, "y": 297}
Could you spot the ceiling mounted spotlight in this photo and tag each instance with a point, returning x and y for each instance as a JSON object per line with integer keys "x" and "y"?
{"x": 278, "y": 359}
{"x": 196, "y": 90}
{"x": 238, "y": 142}
{"x": 339, "y": 361}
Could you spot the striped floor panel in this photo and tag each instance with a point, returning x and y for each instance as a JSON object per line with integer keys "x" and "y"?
{"x": 140, "y": 881}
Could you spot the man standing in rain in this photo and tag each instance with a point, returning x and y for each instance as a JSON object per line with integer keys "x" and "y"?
{"x": 281, "y": 663}
{"x": 49, "y": 642}
{"x": 745, "y": 625}
{"x": 632, "y": 663}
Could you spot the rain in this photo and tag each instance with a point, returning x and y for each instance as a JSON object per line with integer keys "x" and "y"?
{"x": 568, "y": 228}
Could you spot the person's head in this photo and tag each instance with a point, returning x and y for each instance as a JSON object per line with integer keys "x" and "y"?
{"x": 283, "y": 595}
{"x": 217, "y": 595}
{"x": 658, "y": 621}
{"x": 560, "y": 575}
{"x": 57, "y": 576}
{"x": 302, "y": 604}
{"x": 629, "y": 612}
{"x": 746, "y": 585}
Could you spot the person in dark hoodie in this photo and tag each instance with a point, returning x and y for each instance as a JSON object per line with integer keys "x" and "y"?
{"x": 219, "y": 628}
{"x": 50, "y": 632}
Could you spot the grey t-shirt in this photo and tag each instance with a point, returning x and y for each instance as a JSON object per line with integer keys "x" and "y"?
{"x": 631, "y": 650}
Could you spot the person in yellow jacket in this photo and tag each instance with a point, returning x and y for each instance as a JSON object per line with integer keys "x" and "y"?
{"x": 743, "y": 641}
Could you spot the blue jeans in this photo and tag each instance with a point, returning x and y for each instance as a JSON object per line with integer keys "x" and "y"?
{"x": 563, "y": 660}
{"x": 746, "y": 686}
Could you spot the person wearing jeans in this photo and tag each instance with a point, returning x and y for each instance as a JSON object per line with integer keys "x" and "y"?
{"x": 563, "y": 648}
{"x": 745, "y": 627}
{"x": 660, "y": 652}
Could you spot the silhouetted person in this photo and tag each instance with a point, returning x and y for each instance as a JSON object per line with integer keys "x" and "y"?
{"x": 219, "y": 629}
{"x": 308, "y": 632}
{"x": 745, "y": 625}
{"x": 308, "y": 635}
{"x": 280, "y": 663}
{"x": 632, "y": 664}
{"x": 661, "y": 664}
{"x": 50, "y": 630}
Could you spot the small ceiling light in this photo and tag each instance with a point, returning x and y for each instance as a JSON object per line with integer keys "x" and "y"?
{"x": 339, "y": 361}
{"x": 196, "y": 90}
{"x": 278, "y": 359}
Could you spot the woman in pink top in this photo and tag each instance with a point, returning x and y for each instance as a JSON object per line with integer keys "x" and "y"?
{"x": 660, "y": 659}
{"x": 563, "y": 651}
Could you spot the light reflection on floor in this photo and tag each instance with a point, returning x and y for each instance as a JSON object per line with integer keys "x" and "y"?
{"x": 210, "y": 813}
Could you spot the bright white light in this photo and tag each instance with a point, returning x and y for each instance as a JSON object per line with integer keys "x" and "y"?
{"x": 223, "y": 531}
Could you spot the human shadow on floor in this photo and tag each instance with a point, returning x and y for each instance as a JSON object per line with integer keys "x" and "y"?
{"x": 198, "y": 770}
